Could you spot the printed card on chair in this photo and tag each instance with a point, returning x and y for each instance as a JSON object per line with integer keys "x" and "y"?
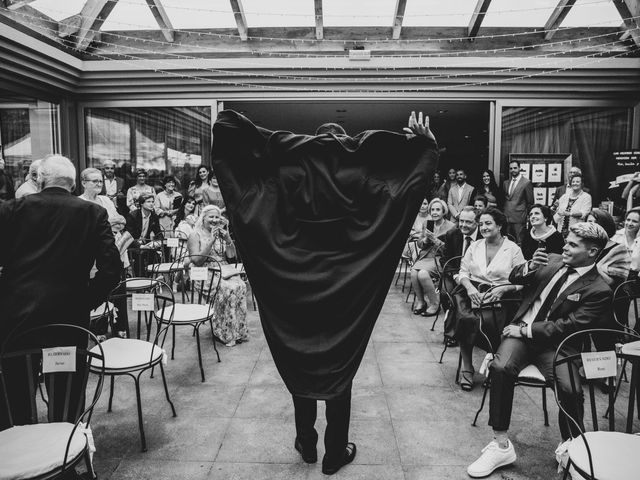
{"x": 59, "y": 359}
{"x": 172, "y": 242}
{"x": 599, "y": 364}
{"x": 142, "y": 302}
{"x": 199, "y": 274}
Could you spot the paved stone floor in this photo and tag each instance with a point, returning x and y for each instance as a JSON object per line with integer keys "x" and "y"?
{"x": 409, "y": 418}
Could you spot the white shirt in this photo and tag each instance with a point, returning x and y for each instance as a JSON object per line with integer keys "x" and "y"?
{"x": 530, "y": 314}
{"x": 460, "y": 191}
{"x": 474, "y": 263}
{"x": 110, "y": 187}
{"x": 473, "y": 237}
{"x": 514, "y": 182}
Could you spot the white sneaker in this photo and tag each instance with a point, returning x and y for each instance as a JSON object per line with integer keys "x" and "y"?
{"x": 492, "y": 457}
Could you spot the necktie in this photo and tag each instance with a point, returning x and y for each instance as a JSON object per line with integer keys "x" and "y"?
{"x": 513, "y": 184}
{"x": 553, "y": 295}
{"x": 467, "y": 242}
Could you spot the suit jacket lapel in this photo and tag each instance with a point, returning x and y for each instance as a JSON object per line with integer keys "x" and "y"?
{"x": 553, "y": 269}
{"x": 574, "y": 287}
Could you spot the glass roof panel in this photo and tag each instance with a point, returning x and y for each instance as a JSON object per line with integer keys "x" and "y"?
{"x": 507, "y": 13}
{"x": 435, "y": 13}
{"x": 130, "y": 15}
{"x": 588, "y": 12}
{"x": 279, "y": 13}
{"x": 57, "y": 9}
{"x": 341, "y": 13}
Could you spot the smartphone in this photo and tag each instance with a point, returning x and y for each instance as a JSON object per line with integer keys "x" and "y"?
{"x": 542, "y": 245}
{"x": 430, "y": 224}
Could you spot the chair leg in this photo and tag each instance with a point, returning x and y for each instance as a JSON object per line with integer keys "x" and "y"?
{"x": 89, "y": 465}
{"x": 197, "y": 331}
{"x": 143, "y": 440}
{"x": 173, "y": 341}
{"x": 399, "y": 272}
{"x": 213, "y": 337}
{"x": 632, "y": 392}
{"x": 166, "y": 390}
{"x": 544, "y": 406}
{"x": 404, "y": 278}
{"x": 459, "y": 368}
{"x": 110, "y": 393}
{"x": 443, "y": 350}
{"x": 484, "y": 397}
{"x": 435, "y": 320}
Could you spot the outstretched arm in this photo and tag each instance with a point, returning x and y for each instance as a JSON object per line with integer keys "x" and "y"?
{"x": 419, "y": 127}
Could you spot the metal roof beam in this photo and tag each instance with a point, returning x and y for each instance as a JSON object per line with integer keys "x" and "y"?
{"x": 162, "y": 19}
{"x": 15, "y": 4}
{"x": 628, "y": 9}
{"x": 398, "y": 18}
{"x": 319, "y": 19}
{"x": 557, "y": 17}
{"x": 478, "y": 16}
{"x": 241, "y": 21}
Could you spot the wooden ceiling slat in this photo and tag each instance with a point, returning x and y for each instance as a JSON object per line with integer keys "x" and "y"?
{"x": 557, "y": 17}
{"x": 477, "y": 18}
{"x": 628, "y": 9}
{"x": 241, "y": 20}
{"x": 162, "y": 18}
{"x": 92, "y": 16}
{"x": 319, "y": 19}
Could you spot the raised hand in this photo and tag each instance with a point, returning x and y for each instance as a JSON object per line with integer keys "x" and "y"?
{"x": 419, "y": 126}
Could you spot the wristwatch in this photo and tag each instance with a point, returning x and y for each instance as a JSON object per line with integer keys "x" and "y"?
{"x": 523, "y": 333}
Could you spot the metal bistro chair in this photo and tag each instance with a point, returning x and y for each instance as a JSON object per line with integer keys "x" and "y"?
{"x": 530, "y": 376}
{"x": 446, "y": 301}
{"x": 173, "y": 247}
{"x": 601, "y": 453}
{"x": 196, "y": 308}
{"x": 51, "y": 449}
{"x": 133, "y": 357}
{"x": 406, "y": 260}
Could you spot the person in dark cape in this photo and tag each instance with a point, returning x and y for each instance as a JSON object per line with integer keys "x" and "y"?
{"x": 320, "y": 223}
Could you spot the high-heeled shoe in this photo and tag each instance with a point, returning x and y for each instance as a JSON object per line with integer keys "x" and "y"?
{"x": 466, "y": 380}
{"x": 419, "y": 310}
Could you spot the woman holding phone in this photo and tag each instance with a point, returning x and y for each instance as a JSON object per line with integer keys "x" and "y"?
{"x": 211, "y": 237}
{"x": 425, "y": 266}
{"x": 542, "y": 234}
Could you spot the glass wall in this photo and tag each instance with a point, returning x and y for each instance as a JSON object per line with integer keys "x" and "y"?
{"x": 590, "y": 135}
{"x": 28, "y": 131}
{"x": 162, "y": 140}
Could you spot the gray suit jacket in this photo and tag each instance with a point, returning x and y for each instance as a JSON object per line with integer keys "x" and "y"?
{"x": 452, "y": 200}
{"x": 518, "y": 202}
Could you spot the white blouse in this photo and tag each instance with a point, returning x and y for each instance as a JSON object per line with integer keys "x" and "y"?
{"x": 474, "y": 263}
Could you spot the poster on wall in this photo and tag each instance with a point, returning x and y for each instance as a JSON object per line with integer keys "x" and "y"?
{"x": 538, "y": 173}
{"x": 555, "y": 173}
{"x": 540, "y": 195}
{"x": 525, "y": 169}
{"x": 625, "y": 164}
{"x": 551, "y": 196}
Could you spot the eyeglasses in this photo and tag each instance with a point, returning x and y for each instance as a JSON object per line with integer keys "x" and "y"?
{"x": 95, "y": 182}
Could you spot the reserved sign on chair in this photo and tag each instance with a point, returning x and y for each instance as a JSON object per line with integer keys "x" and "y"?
{"x": 58, "y": 359}
{"x": 599, "y": 364}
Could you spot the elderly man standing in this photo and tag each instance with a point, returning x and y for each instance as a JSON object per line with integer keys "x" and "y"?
{"x": 31, "y": 185}
{"x": 49, "y": 242}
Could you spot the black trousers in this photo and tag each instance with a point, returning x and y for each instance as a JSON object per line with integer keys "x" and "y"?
{"x": 336, "y": 435}
{"x": 512, "y": 356}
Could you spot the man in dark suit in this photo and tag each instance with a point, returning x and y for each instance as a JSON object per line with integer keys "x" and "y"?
{"x": 144, "y": 221}
{"x": 50, "y": 241}
{"x": 518, "y": 198}
{"x": 563, "y": 294}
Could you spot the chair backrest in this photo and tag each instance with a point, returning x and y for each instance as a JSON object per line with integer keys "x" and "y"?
{"x": 597, "y": 344}
{"x": 449, "y": 269}
{"x": 157, "y": 297}
{"x": 22, "y": 354}
{"x": 502, "y": 307}
{"x": 626, "y": 305}
{"x": 174, "y": 250}
{"x": 202, "y": 290}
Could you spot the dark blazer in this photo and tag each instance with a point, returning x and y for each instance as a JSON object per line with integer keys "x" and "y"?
{"x": 49, "y": 243}
{"x": 119, "y": 186}
{"x": 453, "y": 244}
{"x": 134, "y": 225}
{"x": 586, "y": 303}
{"x": 517, "y": 204}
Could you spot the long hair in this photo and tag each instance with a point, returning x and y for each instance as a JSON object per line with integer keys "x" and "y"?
{"x": 198, "y": 180}
{"x": 180, "y": 215}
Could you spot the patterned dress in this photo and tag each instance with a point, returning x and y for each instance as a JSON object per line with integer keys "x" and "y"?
{"x": 230, "y": 307}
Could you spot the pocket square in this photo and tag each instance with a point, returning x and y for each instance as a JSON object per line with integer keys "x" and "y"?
{"x": 574, "y": 297}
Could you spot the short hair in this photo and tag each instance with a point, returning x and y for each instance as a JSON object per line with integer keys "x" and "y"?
{"x": 57, "y": 171}
{"x": 141, "y": 171}
{"x": 108, "y": 162}
{"x": 460, "y": 169}
{"x": 168, "y": 178}
{"x": 331, "y": 128}
{"x": 632, "y": 210}
{"x": 605, "y": 220}
{"x": 577, "y": 169}
{"x": 144, "y": 197}
{"x": 445, "y": 208}
{"x": 481, "y": 198}
{"x": 591, "y": 233}
{"x": 469, "y": 209}
{"x": 33, "y": 168}
{"x": 578, "y": 175}
{"x": 117, "y": 219}
{"x": 546, "y": 212}
{"x": 84, "y": 175}
{"x": 514, "y": 161}
{"x": 497, "y": 215}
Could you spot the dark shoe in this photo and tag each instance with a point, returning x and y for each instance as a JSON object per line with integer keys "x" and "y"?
{"x": 309, "y": 455}
{"x": 451, "y": 342}
{"x": 419, "y": 310}
{"x": 466, "y": 380}
{"x": 431, "y": 311}
{"x": 349, "y": 455}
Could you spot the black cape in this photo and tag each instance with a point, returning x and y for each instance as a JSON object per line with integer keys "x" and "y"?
{"x": 320, "y": 223}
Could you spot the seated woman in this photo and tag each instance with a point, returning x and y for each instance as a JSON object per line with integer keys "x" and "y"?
{"x": 230, "y": 307}
{"x": 423, "y": 215}
{"x": 487, "y": 263}
{"x": 425, "y": 266}
{"x": 541, "y": 235}
{"x": 627, "y": 235}
{"x": 614, "y": 260}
